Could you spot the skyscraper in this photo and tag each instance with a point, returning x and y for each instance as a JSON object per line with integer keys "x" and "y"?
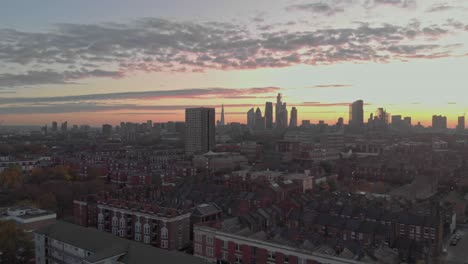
{"x": 221, "y": 123}
{"x": 269, "y": 115}
{"x": 340, "y": 123}
{"x": 64, "y": 127}
{"x": 54, "y": 126}
{"x": 356, "y": 115}
{"x": 461, "y": 123}
{"x": 439, "y": 122}
{"x": 259, "y": 120}
{"x": 199, "y": 130}
{"x": 293, "y": 122}
{"x": 281, "y": 113}
{"x": 106, "y": 130}
{"x": 407, "y": 121}
{"x": 251, "y": 118}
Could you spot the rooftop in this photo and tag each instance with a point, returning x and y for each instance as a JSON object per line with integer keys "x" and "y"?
{"x": 104, "y": 245}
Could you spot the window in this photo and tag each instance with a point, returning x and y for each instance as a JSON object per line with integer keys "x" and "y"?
{"x": 164, "y": 244}
{"x": 100, "y": 218}
{"x": 271, "y": 255}
{"x": 286, "y": 259}
{"x": 209, "y": 240}
{"x": 237, "y": 247}
{"x": 301, "y": 261}
{"x": 238, "y": 260}
{"x": 198, "y": 249}
{"x": 114, "y": 221}
{"x": 209, "y": 252}
{"x": 138, "y": 227}
{"x": 164, "y": 233}
{"x": 146, "y": 239}
{"x": 146, "y": 229}
{"x": 122, "y": 222}
{"x": 225, "y": 244}
{"x": 225, "y": 255}
{"x": 198, "y": 237}
{"x": 138, "y": 237}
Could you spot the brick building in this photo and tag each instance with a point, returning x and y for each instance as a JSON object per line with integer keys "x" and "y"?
{"x": 165, "y": 228}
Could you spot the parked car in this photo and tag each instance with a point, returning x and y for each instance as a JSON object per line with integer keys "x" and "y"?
{"x": 454, "y": 242}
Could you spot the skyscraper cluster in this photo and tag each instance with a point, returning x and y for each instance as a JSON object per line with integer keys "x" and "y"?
{"x": 256, "y": 121}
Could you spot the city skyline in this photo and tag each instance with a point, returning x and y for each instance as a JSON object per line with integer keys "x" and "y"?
{"x": 65, "y": 64}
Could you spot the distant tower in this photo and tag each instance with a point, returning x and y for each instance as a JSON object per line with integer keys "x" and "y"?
{"x": 281, "y": 113}
{"x": 461, "y": 123}
{"x": 251, "y": 118}
{"x": 259, "y": 120}
{"x": 356, "y": 115}
{"x": 439, "y": 122}
{"x": 221, "y": 123}
{"x": 269, "y": 115}
{"x": 293, "y": 122}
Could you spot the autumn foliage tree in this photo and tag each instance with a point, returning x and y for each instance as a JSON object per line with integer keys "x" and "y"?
{"x": 16, "y": 246}
{"x": 11, "y": 178}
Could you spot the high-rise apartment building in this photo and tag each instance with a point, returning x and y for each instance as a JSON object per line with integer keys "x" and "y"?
{"x": 269, "y": 115}
{"x": 106, "y": 130}
{"x": 64, "y": 127}
{"x": 199, "y": 130}
{"x": 356, "y": 115}
{"x": 461, "y": 123}
{"x": 293, "y": 122}
{"x": 439, "y": 122}
{"x": 54, "y": 126}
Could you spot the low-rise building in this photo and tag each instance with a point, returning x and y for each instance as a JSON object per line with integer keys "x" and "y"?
{"x": 28, "y": 218}
{"x": 166, "y": 228}
{"x": 65, "y": 243}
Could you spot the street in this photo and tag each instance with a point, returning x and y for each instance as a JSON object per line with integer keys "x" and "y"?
{"x": 457, "y": 254}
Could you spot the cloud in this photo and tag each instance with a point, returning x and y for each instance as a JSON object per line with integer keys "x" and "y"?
{"x": 440, "y": 7}
{"x": 200, "y": 93}
{"x": 70, "y": 52}
{"x": 52, "y": 77}
{"x": 144, "y": 113}
{"x": 395, "y": 3}
{"x": 319, "y": 104}
{"x": 330, "y": 86}
{"x": 91, "y": 107}
{"x": 325, "y": 8}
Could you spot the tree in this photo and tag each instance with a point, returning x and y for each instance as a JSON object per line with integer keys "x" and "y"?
{"x": 47, "y": 201}
{"x": 16, "y": 246}
{"x": 332, "y": 185}
{"x": 11, "y": 178}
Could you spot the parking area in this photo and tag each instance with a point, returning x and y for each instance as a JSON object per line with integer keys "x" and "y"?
{"x": 457, "y": 254}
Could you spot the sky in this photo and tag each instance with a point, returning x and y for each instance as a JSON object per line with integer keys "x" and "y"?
{"x": 107, "y": 61}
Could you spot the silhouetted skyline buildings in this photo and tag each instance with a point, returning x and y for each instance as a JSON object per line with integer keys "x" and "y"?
{"x": 281, "y": 117}
{"x": 356, "y": 115}
{"x": 293, "y": 122}
{"x": 269, "y": 115}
